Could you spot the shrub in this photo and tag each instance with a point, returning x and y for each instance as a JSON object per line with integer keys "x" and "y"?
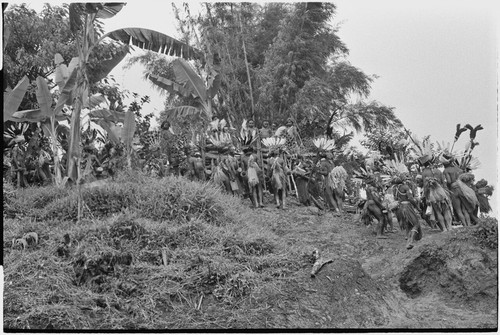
{"x": 487, "y": 232}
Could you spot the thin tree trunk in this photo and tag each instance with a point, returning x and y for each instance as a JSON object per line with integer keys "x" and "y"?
{"x": 248, "y": 69}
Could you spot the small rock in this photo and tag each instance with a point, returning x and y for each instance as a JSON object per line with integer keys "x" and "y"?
{"x": 313, "y": 210}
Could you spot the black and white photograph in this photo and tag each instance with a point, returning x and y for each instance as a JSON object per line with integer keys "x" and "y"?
{"x": 250, "y": 166}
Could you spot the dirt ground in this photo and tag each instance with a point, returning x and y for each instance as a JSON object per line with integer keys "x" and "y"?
{"x": 446, "y": 281}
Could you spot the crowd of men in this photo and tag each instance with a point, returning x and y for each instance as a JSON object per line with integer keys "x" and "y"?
{"x": 437, "y": 188}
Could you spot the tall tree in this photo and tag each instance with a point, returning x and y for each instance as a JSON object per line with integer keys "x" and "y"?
{"x": 299, "y": 53}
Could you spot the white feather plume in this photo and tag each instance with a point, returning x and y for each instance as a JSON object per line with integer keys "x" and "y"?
{"x": 322, "y": 143}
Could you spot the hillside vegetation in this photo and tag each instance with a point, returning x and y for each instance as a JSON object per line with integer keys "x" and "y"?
{"x": 170, "y": 253}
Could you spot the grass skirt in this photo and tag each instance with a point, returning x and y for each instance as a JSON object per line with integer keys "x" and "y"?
{"x": 466, "y": 194}
{"x": 484, "y": 204}
{"x": 409, "y": 218}
{"x": 435, "y": 194}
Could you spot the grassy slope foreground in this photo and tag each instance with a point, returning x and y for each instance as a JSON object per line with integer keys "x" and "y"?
{"x": 154, "y": 254}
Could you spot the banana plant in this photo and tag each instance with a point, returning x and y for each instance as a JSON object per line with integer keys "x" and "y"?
{"x": 82, "y": 19}
{"x": 44, "y": 99}
{"x": 189, "y": 84}
{"x": 74, "y": 80}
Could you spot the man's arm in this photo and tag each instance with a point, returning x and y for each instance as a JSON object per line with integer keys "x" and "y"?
{"x": 371, "y": 193}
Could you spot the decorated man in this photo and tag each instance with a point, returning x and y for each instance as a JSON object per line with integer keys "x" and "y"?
{"x": 278, "y": 170}
{"x": 435, "y": 194}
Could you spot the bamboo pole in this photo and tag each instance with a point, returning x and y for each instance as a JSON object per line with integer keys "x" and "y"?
{"x": 247, "y": 67}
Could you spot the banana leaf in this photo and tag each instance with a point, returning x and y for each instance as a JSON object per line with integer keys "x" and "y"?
{"x": 109, "y": 10}
{"x": 107, "y": 127}
{"x": 155, "y": 41}
{"x": 12, "y": 100}
{"x": 108, "y": 115}
{"x": 67, "y": 92}
{"x": 96, "y": 100}
{"x": 73, "y": 64}
{"x": 185, "y": 75}
{"x": 169, "y": 85}
{"x": 106, "y": 66}
{"x": 43, "y": 96}
{"x": 61, "y": 73}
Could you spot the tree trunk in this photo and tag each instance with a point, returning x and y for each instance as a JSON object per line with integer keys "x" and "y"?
{"x": 248, "y": 69}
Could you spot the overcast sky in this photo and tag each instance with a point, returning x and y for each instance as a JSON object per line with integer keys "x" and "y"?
{"x": 436, "y": 61}
{"x": 437, "y": 65}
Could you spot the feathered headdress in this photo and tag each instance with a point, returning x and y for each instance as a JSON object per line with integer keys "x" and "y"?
{"x": 16, "y": 133}
{"x": 372, "y": 157}
{"x": 247, "y": 137}
{"x": 274, "y": 142}
{"x": 323, "y": 144}
{"x": 362, "y": 176}
{"x": 220, "y": 139}
{"x": 395, "y": 168}
{"x": 421, "y": 150}
{"x": 446, "y": 155}
{"x": 281, "y": 131}
{"x": 468, "y": 163}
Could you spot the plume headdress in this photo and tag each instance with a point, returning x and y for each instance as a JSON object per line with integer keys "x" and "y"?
{"x": 16, "y": 134}
{"x": 446, "y": 155}
{"x": 469, "y": 162}
{"x": 247, "y": 137}
{"x": 395, "y": 169}
{"x": 362, "y": 176}
{"x": 421, "y": 150}
{"x": 324, "y": 144}
{"x": 274, "y": 143}
{"x": 217, "y": 135}
{"x": 371, "y": 158}
{"x": 458, "y": 132}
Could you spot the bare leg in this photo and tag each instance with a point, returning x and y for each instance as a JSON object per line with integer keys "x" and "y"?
{"x": 457, "y": 206}
{"x": 411, "y": 239}
{"x": 260, "y": 195}
{"x": 339, "y": 198}
{"x": 439, "y": 217}
{"x": 253, "y": 196}
{"x": 466, "y": 217}
{"x": 448, "y": 218}
{"x": 389, "y": 221}
{"x": 375, "y": 211}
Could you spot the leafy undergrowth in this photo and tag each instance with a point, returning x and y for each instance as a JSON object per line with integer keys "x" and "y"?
{"x": 174, "y": 254}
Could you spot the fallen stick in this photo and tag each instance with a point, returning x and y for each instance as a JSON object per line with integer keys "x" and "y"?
{"x": 318, "y": 264}
{"x": 316, "y": 202}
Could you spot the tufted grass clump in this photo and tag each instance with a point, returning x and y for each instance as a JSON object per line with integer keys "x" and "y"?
{"x": 148, "y": 253}
{"x": 31, "y": 201}
{"x": 171, "y": 198}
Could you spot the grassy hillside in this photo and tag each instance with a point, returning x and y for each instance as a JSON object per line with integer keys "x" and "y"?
{"x": 175, "y": 254}
{"x": 149, "y": 253}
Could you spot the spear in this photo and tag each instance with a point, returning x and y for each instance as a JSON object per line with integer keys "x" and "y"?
{"x": 411, "y": 138}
